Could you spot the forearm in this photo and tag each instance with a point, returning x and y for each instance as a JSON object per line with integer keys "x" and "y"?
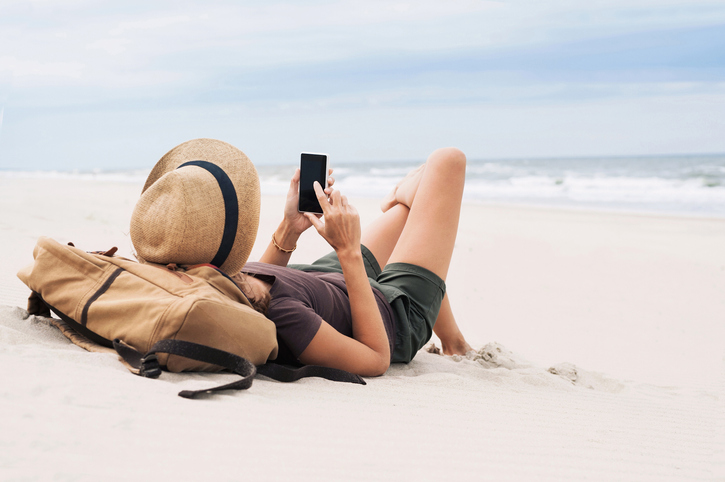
{"x": 367, "y": 323}
{"x": 286, "y": 239}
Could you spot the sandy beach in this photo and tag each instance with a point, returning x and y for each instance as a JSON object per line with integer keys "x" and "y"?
{"x": 600, "y": 357}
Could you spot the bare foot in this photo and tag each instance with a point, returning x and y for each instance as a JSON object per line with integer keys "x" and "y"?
{"x": 459, "y": 348}
{"x": 404, "y": 191}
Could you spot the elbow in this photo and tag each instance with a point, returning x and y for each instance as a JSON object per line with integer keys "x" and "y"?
{"x": 380, "y": 368}
{"x": 373, "y": 367}
{"x": 384, "y": 368}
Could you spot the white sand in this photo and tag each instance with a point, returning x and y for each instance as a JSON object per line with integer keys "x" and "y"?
{"x": 631, "y": 307}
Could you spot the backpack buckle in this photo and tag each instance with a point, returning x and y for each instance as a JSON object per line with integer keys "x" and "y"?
{"x": 150, "y": 367}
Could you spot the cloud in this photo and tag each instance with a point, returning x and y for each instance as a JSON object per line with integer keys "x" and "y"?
{"x": 427, "y": 70}
{"x": 29, "y": 70}
{"x": 154, "y": 23}
{"x": 112, "y": 46}
{"x": 111, "y": 39}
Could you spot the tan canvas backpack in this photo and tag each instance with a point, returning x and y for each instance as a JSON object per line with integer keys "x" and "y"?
{"x": 154, "y": 316}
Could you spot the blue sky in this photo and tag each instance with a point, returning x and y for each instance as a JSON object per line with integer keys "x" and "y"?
{"x": 108, "y": 85}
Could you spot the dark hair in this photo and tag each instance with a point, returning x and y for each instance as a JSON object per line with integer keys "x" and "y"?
{"x": 261, "y": 305}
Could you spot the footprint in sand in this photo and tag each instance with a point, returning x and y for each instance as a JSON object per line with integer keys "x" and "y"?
{"x": 577, "y": 376}
{"x": 495, "y": 355}
{"x": 567, "y": 371}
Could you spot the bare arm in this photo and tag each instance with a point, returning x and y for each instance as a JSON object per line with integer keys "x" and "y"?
{"x": 368, "y": 352}
{"x": 286, "y": 238}
{"x": 292, "y": 226}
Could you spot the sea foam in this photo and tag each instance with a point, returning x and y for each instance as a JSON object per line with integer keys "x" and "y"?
{"x": 684, "y": 185}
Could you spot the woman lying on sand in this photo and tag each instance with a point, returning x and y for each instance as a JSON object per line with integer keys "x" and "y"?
{"x": 344, "y": 311}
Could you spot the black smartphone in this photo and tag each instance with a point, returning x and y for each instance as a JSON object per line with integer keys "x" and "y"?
{"x": 313, "y": 167}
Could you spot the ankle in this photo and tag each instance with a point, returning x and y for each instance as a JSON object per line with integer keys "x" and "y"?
{"x": 458, "y": 346}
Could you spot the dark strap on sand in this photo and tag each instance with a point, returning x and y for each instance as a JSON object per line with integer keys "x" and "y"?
{"x": 283, "y": 373}
{"x": 148, "y": 366}
{"x": 231, "y": 208}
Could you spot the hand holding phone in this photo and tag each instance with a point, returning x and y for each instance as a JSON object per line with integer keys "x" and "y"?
{"x": 313, "y": 167}
{"x": 341, "y": 228}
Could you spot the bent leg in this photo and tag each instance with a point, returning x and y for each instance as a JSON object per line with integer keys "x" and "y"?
{"x": 383, "y": 236}
{"x": 429, "y": 235}
{"x": 380, "y": 238}
{"x": 446, "y": 329}
{"x": 404, "y": 192}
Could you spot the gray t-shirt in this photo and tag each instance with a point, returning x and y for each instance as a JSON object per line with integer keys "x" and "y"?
{"x": 302, "y": 299}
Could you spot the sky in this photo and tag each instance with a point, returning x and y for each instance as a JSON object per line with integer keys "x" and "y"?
{"x": 89, "y": 84}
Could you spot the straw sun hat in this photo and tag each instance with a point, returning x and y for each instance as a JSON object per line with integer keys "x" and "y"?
{"x": 200, "y": 204}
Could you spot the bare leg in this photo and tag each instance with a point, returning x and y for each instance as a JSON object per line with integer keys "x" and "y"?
{"x": 382, "y": 237}
{"x": 446, "y": 328}
{"x": 429, "y": 234}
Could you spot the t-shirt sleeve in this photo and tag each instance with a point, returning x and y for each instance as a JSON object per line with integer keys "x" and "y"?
{"x": 297, "y": 323}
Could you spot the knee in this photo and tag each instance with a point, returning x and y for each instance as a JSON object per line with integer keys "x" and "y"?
{"x": 450, "y": 159}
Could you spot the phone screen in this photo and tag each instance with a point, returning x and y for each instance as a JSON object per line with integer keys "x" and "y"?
{"x": 313, "y": 167}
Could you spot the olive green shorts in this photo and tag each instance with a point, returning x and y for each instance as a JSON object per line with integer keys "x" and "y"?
{"x": 414, "y": 294}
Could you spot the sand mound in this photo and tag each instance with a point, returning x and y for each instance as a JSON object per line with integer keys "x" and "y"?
{"x": 496, "y": 356}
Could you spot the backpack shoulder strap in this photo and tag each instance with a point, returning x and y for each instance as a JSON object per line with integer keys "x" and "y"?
{"x": 148, "y": 366}
{"x": 283, "y": 373}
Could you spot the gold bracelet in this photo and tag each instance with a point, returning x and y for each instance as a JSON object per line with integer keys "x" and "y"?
{"x": 274, "y": 241}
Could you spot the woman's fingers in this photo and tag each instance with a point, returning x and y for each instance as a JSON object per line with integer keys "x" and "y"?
{"x": 336, "y": 198}
{"x": 330, "y": 182}
{"x": 321, "y": 196}
{"x": 330, "y": 179}
{"x": 295, "y": 181}
{"x": 341, "y": 228}
{"x": 294, "y": 184}
{"x": 328, "y": 201}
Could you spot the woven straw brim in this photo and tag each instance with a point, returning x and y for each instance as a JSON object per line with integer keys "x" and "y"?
{"x": 180, "y": 215}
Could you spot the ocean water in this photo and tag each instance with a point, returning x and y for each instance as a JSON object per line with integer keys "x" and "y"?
{"x": 683, "y": 185}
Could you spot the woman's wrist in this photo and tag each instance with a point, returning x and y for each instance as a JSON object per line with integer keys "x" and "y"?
{"x": 351, "y": 254}
{"x": 285, "y": 236}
